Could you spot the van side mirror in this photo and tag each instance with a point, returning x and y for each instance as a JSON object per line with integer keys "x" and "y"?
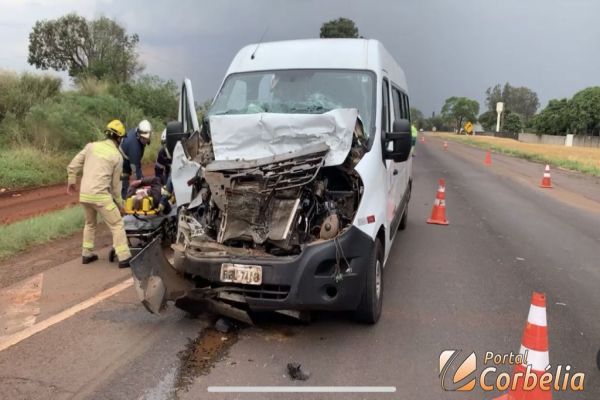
{"x": 401, "y": 140}
{"x": 174, "y": 134}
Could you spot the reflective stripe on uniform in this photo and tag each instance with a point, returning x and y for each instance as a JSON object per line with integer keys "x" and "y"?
{"x": 94, "y": 198}
{"x": 88, "y": 245}
{"x": 121, "y": 249}
{"x": 104, "y": 150}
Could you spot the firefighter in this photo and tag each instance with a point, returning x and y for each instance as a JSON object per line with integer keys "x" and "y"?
{"x": 100, "y": 191}
{"x": 132, "y": 147}
{"x": 162, "y": 167}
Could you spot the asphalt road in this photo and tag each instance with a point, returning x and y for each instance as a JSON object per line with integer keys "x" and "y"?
{"x": 464, "y": 286}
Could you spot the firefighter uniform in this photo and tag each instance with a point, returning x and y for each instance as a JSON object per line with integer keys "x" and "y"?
{"x": 100, "y": 193}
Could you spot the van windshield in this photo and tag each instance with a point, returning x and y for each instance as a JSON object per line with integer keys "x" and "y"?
{"x": 305, "y": 91}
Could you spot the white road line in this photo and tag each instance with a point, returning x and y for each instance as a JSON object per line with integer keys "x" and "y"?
{"x": 302, "y": 389}
{"x": 11, "y": 340}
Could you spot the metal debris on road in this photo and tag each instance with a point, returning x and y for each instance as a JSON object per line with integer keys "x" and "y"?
{"x": 224, "y": 325}
{"x": 295, "y": 372}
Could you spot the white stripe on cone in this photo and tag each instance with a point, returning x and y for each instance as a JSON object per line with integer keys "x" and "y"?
{"x": 538, "y": 360}
{"x": 537, "y": 316}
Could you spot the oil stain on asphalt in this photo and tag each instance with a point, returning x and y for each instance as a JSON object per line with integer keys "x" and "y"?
{"x": 201, "y": 354}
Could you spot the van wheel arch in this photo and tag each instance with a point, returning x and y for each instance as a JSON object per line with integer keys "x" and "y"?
{"x": 371, "y": 301}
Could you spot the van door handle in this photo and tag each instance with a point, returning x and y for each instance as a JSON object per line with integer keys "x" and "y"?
{"x": 395, "y": 172}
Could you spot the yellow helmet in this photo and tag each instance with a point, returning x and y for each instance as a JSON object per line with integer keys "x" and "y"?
{"x": 115, "y": 126}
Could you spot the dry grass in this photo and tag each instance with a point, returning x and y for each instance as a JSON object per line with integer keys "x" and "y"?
{"x": 581, "y": 159}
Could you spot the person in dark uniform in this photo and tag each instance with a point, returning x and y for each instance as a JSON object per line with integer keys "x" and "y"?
{"x": 132, "y": 148}
{"x": 162, "y": 167}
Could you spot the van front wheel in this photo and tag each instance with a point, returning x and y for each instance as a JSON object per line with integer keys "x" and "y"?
{"x": 369, "y": 308}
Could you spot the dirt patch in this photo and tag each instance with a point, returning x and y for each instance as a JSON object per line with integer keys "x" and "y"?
{"x": 43, "y": 257}
{"x": 19, "y": 205}
{"x": 202, "y": 354}
{"x": 16, "y": 205}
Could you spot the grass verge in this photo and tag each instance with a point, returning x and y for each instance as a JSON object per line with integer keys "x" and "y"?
{"x": 580, "y": 159}
{"x": 24, "y": 167}
{"x": 27, "y": 166}
{"x": 18, "y": 236}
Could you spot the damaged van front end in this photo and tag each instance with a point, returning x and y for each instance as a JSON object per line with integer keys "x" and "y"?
{"x": 269, "y": 222}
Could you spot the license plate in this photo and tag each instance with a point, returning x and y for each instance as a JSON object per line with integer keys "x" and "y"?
{"x": 239, "y": 273}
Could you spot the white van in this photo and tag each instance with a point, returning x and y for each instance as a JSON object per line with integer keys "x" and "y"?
{"x": 292, "y": 188}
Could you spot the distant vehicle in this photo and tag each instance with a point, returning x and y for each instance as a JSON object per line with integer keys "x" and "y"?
{"x": 292, "y": 190}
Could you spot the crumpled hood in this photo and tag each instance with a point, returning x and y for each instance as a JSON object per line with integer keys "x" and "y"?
{"x": 252, "y": 136}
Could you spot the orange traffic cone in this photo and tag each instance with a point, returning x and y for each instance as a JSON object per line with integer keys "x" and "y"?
{"x": 488, "y": 158}
{"x": 445, "y": 145}
{"x": 535, "y": 343}
{"x": 546, "y": 180}
{"x": 438, "y": 212}
{"x": 422, "y": 138}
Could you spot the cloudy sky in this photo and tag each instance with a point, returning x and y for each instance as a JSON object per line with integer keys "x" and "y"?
{"x": 446, "y": 47}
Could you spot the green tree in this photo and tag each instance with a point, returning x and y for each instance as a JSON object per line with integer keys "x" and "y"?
{"x": 488, "y": 120}
{"x": 584, "y": 112}
{"x": 513, "y": 123}
{"x": 521, "y": 100}
{"x": 554, "y": 119}
{"x": 156, "y": 97}
{"x": 100, "y": 48}
{"x": 416, "y": 117}
{"x": 460, "y": 110}
{"x": 18, "y": 93}
{"x": 203, "y": 108}
{"x": 339, "y": 28}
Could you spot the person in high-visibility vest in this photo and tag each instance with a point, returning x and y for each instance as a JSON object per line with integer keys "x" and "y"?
{"x": 100, "y": 192}
{"x": 414, "y": 133}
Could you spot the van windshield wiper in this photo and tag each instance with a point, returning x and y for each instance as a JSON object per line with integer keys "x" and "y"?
{"x": 312, "y": 109}
{"x": 227, "y": 112}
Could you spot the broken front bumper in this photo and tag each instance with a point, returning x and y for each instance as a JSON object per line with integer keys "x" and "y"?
{"x": 327, "y": 275}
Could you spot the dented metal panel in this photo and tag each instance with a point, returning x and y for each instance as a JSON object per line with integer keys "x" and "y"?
{"x": 254, "y": 136}
{"x": 182, "y": 170}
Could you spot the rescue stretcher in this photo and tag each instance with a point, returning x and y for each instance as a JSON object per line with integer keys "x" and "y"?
{"x": 146, "y": 223}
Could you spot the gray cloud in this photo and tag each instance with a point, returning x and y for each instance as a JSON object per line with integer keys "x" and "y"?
{"x": 446, "y": 47}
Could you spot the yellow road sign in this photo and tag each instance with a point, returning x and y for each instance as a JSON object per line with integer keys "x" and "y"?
{"x": 469, "y": 127}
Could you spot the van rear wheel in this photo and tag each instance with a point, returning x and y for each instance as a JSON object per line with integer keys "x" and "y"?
{"x": 371, "y": 302}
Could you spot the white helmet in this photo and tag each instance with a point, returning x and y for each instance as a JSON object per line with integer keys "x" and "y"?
{"x": 163, "y": 136}
{"x": 145, "y": 129}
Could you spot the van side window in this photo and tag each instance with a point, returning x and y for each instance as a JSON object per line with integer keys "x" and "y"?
{"x": 398, "y": 112}
{"x": 385, "y": 106}
{"x": 406, "y": 107}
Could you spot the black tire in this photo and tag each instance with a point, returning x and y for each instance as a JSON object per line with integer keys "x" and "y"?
{"x": 371, "y": 302}
{"x": 404, "y": 219}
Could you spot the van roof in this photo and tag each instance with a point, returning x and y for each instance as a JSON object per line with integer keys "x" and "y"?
{"x": 358, "y": 54}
